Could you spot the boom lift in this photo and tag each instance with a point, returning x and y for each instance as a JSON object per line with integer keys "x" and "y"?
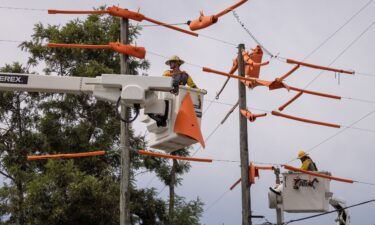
{"x": 305, "y": 193}
{"x": 172, "y": 120}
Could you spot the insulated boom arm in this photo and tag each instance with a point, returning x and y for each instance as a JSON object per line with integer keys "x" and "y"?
{"x": 131, "y": 89}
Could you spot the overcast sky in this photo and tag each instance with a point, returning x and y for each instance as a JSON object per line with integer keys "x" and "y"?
{"x": 290, "y": 28}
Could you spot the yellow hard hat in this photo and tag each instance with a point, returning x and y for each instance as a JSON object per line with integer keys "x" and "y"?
{"x": 175, "y": 58}
{"x": 301, "y": 154}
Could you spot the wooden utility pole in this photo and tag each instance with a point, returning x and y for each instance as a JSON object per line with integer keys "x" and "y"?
{"x": 124, "y": 138}
{"x": 244, "y": 151}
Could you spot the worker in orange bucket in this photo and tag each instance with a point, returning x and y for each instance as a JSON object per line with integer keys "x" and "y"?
{"x": 179, "y": 76}
{"x": 307, "y": 163}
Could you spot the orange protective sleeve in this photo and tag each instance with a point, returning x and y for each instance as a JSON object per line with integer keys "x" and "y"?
{"x": 235, "y": 184}
{"x": 71, "y": 155}
{"x": 208, "y": 70}
{"x": 275, "y": 113}
{"x": 143, "y": 152}
{"x": 291, "y": 61}
{"x": 54, "y": 11}
{"x": 229, "y": 9}
{"x": 314, "y": 93}
{"x": 281, "y": 108}
{"x": 171, "y": 27}
{"x": 289, "y": 73}
{"x": 58, "y": 45}
{"x": 317, "y": 174}
{"x": 264, "y": 167}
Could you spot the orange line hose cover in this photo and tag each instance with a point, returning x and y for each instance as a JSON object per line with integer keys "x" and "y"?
{"x": 281, "y": 108}
{"x": 70, "y": 155}
{"x": 60, "y": 45}
{"x": 275, "y": 113}
{"x": 208, "y": 70}
{"x": 172, "y": 27}
{"x": 135, "y": 51}
{"x": 229, "y": 9}
{"x": 318, "y": 174}
{"x": 138, "y": 52}
{"x": 315, "y": 93}
{"x": 148, "y": 153}
{"x": 289, "y": 72}
{"x": 292, "y": 61}
{"x": 54, "y": 11}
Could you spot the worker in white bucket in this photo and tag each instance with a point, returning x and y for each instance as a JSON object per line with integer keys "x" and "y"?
{"x": 179, "y": 76}
{"x": 307, "y": 163}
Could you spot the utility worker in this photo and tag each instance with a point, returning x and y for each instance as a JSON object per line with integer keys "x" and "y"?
{"x": 307, "y": 163}
{"x": 179, "y": 77}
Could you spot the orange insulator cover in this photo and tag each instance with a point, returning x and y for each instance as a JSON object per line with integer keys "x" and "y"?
{"x": 69, "y": 155}
{"x": 138, "y": 52}
{"x": 187, "y": 122}
{"x": 250, "y": 116}
{"x": 254, "y": 61}
{"x": 202, "y": 22}
{"x": 125, "y": 13}
{"x": 231, "y": 8}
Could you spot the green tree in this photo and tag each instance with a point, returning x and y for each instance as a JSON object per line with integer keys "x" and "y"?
{"x": 18, "y": 114}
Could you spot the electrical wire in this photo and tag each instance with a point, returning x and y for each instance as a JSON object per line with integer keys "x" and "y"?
{"x": 18, "y": 8}
{"x": 342, "y": 52}
{"x": 338, "y": 29}
{"x": 329, "y": 212}
{"x": 11, "y": 41}
{"x": 217, "y": 200}
{"x": 335, "y": 134}
{"x": 237, "y": 17}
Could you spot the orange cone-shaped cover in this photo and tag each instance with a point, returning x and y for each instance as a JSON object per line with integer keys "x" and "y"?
{"x": 187, "y": 122}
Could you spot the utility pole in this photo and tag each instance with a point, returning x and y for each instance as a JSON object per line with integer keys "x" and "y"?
{"x": 244, "y": 151}
{"x": 124, "y": 137}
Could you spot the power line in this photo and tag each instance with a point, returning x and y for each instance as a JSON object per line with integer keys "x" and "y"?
{"x": 27, "y": 9}
{"x": 11, "y": 41}
{"x": 217, "y": 200}
{"x": 251, "y": 34}
{"x": 332, "y": 211}
{"x": 339, "y": 29}
{"x": 342, "y": 52}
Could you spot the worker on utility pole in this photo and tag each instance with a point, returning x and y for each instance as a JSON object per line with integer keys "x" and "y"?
{"x": 307, "y": 163}
{"x": 179, "y": 77}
